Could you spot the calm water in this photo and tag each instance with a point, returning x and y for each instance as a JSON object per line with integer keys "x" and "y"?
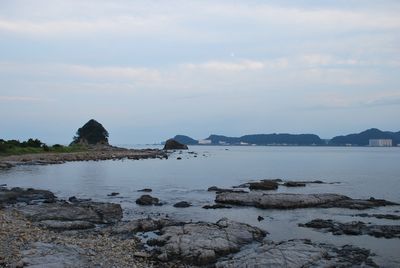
{"x": 362, "y": 173}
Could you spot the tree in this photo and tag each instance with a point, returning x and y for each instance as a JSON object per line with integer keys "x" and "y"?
{"x": 91, "y": 133}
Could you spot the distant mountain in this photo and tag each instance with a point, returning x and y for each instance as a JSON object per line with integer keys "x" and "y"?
{"x": 185, "y": 140}
{"x": 362, "y": 138}
{"x": 269, "y": 139}
{"x": 359, "y": 139}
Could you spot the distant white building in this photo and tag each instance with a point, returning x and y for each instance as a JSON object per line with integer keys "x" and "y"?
{"x": 380, "y": 143}
{"x": 204, "y": 142}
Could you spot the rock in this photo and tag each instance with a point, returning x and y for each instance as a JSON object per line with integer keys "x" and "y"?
{"x": 292, "y": 201}
{"x": 74, "y": 199}
{"x": 113, "y": 194}
{"x": 259, "y": 218}
{"x": 94, "y": 212}
{"x": 264, "y": 185}
{"x": 216, "y": 206}
{"x": 54, "y": 255}
{"x": 294, "y": 184}
{"x": 379, "y": 216}
{"x": 172, "y": 144}
{"x": 354, "y": 228}
{"x": 179, "y": 158}
{"x": 299, "y": 253}
{"x": 202, "y": 243}
{"x": 148, "y": 190}
{"x": 66, "y": 225}
{"x": 141, "y": 254}
{"x": 147, "y": 200}
{"x": 5, "y": 165}
{"x": 15, "y": 195}
{"x": 182, "y": 204}
{"x": 222, "y": 190}
{"x": 142, "y": 225}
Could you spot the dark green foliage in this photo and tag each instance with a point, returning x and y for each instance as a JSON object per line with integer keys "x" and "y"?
{"x": 92, "y": 133}
{"x": 362, "y": 138}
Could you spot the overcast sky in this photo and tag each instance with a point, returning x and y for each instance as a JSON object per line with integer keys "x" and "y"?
{"x": 148, "y": 70}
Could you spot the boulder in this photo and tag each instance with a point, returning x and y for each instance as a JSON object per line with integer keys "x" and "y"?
{"x": 142, "y": 225}
{"x": 264, "y": 185}
{"x": 294, "y": 184}
{"x": 292, "y": 201}
{"x": 172, "y": 144}
{"x": 203, "y": 243}
{"x": 299, "y": 253}
{"x": 147, "y": 200}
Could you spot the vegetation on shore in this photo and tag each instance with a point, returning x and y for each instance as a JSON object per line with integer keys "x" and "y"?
{"x": 31, "y": 146}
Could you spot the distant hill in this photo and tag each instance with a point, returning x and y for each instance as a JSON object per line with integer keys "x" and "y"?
{"x": 185, "y": 140}
{"x": 362, "y": 138}
{"x": 358, "y": 139}
{"x": 257, "y": 139}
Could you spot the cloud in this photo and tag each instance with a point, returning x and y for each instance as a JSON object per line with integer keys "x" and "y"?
{"x": 23, "y": 99}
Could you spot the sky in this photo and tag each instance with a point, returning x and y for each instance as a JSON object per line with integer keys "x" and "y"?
{"x": 148, "y": 70}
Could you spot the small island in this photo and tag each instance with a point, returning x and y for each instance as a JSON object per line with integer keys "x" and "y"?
{"x": 90, "y": 143}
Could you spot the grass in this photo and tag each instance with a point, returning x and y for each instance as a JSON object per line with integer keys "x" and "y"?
{"x": 35, "y": 150}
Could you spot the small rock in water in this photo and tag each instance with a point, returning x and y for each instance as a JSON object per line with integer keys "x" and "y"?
{"x": 182, "y": 204}
{"x": 147, "y": 190}
{"x": 216, "y": 206}
{"x": 294, "y": 184}
{"x": 264, "y": 185}
{"x": 147, "y": 200}
{"x": 113, "y": 194}
{"x": 179, "y": 158}
{"x": 74, "y": 199}
{"x": 259, "y": 218}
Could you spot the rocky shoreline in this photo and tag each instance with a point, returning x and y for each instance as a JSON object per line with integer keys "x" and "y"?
{"x": 94, "y": 154}
{"x": 38, "y": 229}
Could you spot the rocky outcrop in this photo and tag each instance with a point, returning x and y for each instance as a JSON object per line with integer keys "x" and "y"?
{"x": 354, "y": 228}
{"x": 147, "y": 200}
{"x": 299, "y": 253}
{"x": 5, "y": 165}
{"x": 172, "y": 144}
{"x": 202, "y": 243}
{"x": 294, "y": 184}
{"x": 292, "y": 201}
{"x": 92, "y": 212}
{"x": 65, "y": 225}
{"x": 15, "y": 195}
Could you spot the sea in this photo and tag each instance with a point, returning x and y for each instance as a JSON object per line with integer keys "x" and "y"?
{"x": 358, "y": 172}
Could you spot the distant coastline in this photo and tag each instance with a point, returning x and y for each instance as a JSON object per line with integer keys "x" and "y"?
{"x": 372, "y": 137}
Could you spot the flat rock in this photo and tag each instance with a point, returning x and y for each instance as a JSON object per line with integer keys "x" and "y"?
{"x": 216, "y": 206}
{"x": 224, "y": 190}
{"x": 354, "y": 228}
{"x": 147, "y": 200}
{"x": 54, "y": 255}
{"x": 94, "y": 212}
{"x": 142, "y": 225}
{"x": 66, "y": 225}
{"x": 202, "y": 243}
{"x": 15, "y": 195}
{"x": 379, "y": 216}
{"x": 299, "y": 253}
{"x": 294, "y": 184}
{"x": 148, "y": 190}
{"x": 292, "y": 201}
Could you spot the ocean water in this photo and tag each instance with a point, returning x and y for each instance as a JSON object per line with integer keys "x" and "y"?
{"x": 360, "y": 172}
